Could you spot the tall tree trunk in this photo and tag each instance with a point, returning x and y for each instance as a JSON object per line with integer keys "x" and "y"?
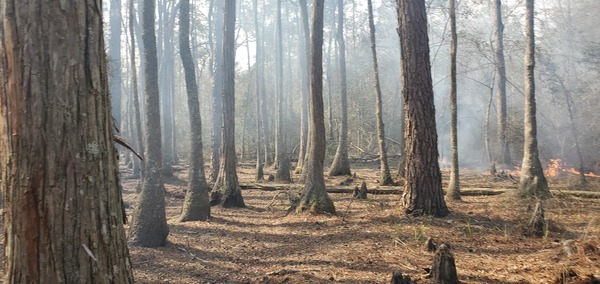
{"x": 305, "y": 85}
{"x": 402, "y": 160}
{"x": 385, "y": 175}
{"x": 196, "y": 206}
{"x": 217, "y": 99}
{"x": 341, "y": 164}
{"x": 454, "y": 184}
{"x": 63, "y": 213}
{"x": 533, "y": 183}
{"x": 314, "y": 195}
{"x": 501, "y": 82}
{"x": 227, "y": 188}
{"x": 149, "y": 226}
{"x": 423, "y": 193}
{"x": 114, "y": 51}
{"x": 134, "y": 83}
{"x": 167, "y": 85}
{"x": 283, "y": 160}
{"x": 258, "y": 75}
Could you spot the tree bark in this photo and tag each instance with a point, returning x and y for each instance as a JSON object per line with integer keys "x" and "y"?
{"x": 63, "y": 213}
{"x": 533, "y": 183}
{"x": 341, "y": 164}
{"x": 384, "y": 168}
{"x": 196, "y": 205}
{"x": 443, "y": 270}
{"x": 149, "y": 226}
{"x": 504, "y": 156}
{"x": 423, "y": 193}
{"x": 227, "y": 188}
{"x": 454, "y": 184}
{"x": 314, "y": 195}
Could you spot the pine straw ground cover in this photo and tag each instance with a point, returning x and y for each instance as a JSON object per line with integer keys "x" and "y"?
{"x": 368, "y": 239}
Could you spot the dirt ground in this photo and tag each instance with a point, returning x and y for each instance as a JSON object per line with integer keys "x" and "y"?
{"x": 368, "y": 239}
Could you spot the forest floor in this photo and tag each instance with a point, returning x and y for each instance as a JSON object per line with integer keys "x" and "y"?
{"x": 368, "y": 239}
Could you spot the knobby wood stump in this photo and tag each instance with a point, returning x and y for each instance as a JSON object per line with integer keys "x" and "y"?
{"x": 443, "y": 270}
{"x": 397, "y": 278}
{"x": 362, "y": 192}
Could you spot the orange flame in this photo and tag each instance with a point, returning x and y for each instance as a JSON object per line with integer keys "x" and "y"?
{"x": 556, "y": 166}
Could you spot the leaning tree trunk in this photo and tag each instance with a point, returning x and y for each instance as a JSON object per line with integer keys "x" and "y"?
{"x": 149, "y": 226}
{"x": 454, "y": 184}
{"x": 227, "y": 189}
{"x": 533, "y": 183}
{"x": 196, "y": 206}
{"x": 341, "y": 164}
{"x": 423, "y": 193}
{"x": 63, "y": 213}
{"x": 314, "y": 195}
{"x": 386, "y": 176}
{"x": 501, "y": 82}
{"x": 283, "y": 160}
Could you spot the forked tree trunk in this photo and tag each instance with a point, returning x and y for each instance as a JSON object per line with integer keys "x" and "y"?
{"x": 282, "y": 158}
{"x": 533, "y": 182}
{"x": 227, "y": 188}
{"x": 384, "y": 168}
{"x": 62, "y": 208}
{"x": 196, "y": 205}
{"x": 314, "y": 195}
{"x": 423, "y": 193}
{"x": 149, "y": 226}
{"x": 341, "y": 164}
{"x": 454, "y": 184}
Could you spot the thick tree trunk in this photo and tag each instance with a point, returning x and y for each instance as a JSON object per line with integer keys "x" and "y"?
{"x": 504, "y": 156}
{"x": 454, "y": 183}
{"x": 533, "y": 183}
{"x": 227, "y": 188}
{"x": 283, "y": 159}
{"x": 423, "y": 193}
{"x": 341, "y": 164}
{"x": 196, "y": 205}
{"x": 62, "y": 208}
{"x": 384, "y": 168}
{"x": 314, "y": 195}
{"x": 149, "y": 226}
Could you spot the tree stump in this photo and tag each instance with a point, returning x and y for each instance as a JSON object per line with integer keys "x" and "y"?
{"x": 537, "y": 224}
{"x": 362, "y": 192}
{"x": 443, "y": 270}
{"x": 493, "y": 171}
{"x": 429, "y": 245}
{"x": 397, "y": 278}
